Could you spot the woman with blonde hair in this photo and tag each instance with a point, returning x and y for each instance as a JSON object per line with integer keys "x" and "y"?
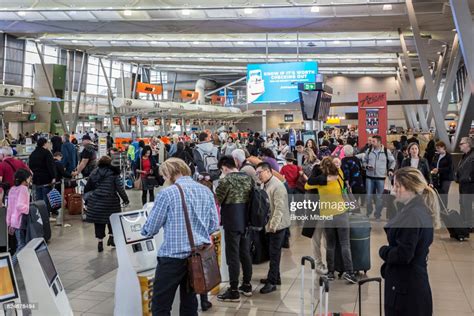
{"x": 410, "y": 234}
{"x": 310, "y": 160}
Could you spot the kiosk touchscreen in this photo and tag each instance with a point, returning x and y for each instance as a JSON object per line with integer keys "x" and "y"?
{"x": 42, "y": 281}
{"x": 9, "y": 292}
{"x": 137, "y": 262}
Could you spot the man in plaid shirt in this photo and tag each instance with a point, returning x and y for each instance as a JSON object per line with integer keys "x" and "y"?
{"x": 167, "y": 213}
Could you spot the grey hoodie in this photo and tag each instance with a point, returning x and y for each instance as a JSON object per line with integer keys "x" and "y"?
{"x": 207, "y": 147}
{"x": 378, "y": 160}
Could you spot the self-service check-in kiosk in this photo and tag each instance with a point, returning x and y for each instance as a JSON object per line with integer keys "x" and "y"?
{"x": 137, "y": 260}
{"x": 9, "y": 291}
{"x": 42, "y": 282}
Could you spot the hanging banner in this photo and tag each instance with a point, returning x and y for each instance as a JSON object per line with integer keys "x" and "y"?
{"x": 132, "y": 121}
{"x": 148, "y": 88}
{"x": 145, "y": 121}
{"x": 372, "y": 116}
{"x": 102, "y": 146}
{"x": 167, "y": 122}
{"x": 116, "y": 120}
{"x": 179, "y": 122}
{"x": 157, "y": 122}
{"x": 187, "y": 122}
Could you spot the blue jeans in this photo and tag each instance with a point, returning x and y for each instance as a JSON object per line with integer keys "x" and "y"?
{"x": 378, "y": 185}
{"x": 20, "y": 235}
{"x": 41, "y": 193}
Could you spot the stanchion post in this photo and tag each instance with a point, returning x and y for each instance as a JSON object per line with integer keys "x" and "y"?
{"x": 60, "y": 218}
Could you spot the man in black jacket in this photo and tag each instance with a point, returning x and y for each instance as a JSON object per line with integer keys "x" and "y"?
{"x": 465, "y": 178}
{"x": 57, "y": 142}
{"x": 42, "y": 165}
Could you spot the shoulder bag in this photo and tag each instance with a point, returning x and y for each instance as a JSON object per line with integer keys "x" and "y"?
{"x": 203, "y": 269}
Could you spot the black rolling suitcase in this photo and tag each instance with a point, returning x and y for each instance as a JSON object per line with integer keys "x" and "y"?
{"x": 453, "y": 221}
{"x": 360, "y": 244}
{"x": 258, "y": 246}
{"x": 42, "y": 210}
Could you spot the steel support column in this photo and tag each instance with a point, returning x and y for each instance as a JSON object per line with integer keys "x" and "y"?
{"x": 464, "y": 26}
{"x": 466, "y": 116}
{"x": 79, "y": 92}
{"x": 412, "y": 83}
{"x": 70, "y": 84}
{"x": 174, "y": 86}
{"x": 430, "y": 88}
{"x": 408, "y": 118}
{"x": 112, "y": 109}
{"x": 51, "y": 89}
{"x": 135, "y": 80}
{"x": 453, "y": 65}
{"x": 406, "y": 91}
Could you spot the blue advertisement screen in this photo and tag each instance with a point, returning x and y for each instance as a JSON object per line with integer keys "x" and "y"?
{"x": 278, "y": 83}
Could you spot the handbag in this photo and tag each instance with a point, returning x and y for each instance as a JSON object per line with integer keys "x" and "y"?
{"x": 300, "y": 183}
{"x": 203, "y": 267}
{"x": 348, "y": 196}
{"x": 137, "y": 184}
{"x": 54, "y": 199}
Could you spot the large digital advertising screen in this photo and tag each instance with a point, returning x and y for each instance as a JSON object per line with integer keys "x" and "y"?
{"x": 278, "y": 82}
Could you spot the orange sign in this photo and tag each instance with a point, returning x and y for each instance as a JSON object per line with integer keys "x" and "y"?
{"x": 189, "y": 95}
{"x": 116, "y": 120}
{"x": 217, "y": 99}
{"x": 149, "y": 88}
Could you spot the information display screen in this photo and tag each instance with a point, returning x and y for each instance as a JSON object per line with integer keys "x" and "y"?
{"x": 46, "y": 262}
{"x": 132, "y": 225}
{"x": 278, "y": 82}
{"x": 8, "y": 291}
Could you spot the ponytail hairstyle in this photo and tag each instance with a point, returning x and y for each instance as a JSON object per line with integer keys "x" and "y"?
{"x": 413, "y": 180}
{"x": 21, "y": 175}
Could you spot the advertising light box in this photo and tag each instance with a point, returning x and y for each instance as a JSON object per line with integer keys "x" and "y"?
{"x": 278, "y": 83}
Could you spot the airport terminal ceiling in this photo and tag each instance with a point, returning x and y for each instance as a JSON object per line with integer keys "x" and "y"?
{"x": 218, "y": 39}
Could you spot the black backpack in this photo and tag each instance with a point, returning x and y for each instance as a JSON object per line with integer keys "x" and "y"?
{"x": 259, "y": 209}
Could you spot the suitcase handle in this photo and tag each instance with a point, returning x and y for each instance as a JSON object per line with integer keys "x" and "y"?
{"x": 313, "y": 270}
{"x": 311, "y": 260}
{"x": 323, "y": 287}
{"x": 362, "y": 282}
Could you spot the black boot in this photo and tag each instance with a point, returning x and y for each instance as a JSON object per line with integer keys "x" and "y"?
{"x": 100, "y": 246}
{"x": 110, "y": 241}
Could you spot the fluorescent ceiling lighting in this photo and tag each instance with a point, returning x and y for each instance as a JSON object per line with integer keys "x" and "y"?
{"x": 240, "y": 43}
{"x": 74, "y": 41}
{"x": 72, "y": 12}
{"x": 315, "y": 9}
{"x": 186, "y": 12}
{"x": 387, "y": 7}
{"x": 248, "y": 10}
{"x": 127, "y": 12}
{"x": 195, "y": 42}
{"x": 201, "y": 58}
{"x": 21, "y": 13}
{"x": 287, "y": 43}
{"x": 336, "y": 42}
{"x": 153, "y": 42}
{"x": 389, "y": 41}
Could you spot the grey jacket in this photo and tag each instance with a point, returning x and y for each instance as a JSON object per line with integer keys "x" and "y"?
{"x": 378, "y": 160}
{"x": 280, "y": 212}
{"x": 465, "y": 172}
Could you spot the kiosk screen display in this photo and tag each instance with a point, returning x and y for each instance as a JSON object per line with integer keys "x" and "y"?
{"x": 8, "y": 291}
{"x": 132, "y": 225}
{"x": 46, "y": 262}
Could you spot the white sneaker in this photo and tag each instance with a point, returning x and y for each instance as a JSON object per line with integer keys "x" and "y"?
{"x": 321, "y": 268}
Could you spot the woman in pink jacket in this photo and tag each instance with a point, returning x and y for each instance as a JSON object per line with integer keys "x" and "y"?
{"x": 18, "y": 205}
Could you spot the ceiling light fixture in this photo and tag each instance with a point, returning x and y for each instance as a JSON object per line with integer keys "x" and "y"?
{"x": 153, "y": 42}
{"x": 336, "y": 42}
{"x": 74, "y": 41}
{"x": 127, "y": 12}
{"x": 186, "y": 12}
{"x": 315, "y": 9}
{"x": 387, "y": 7}
{"x": 21, "y": 13}
{"x": 287, "y": 43}
{"x": 248, "y": 10}
{"x": 240, "y": 43}
{"x": 195, "y": 42}
{"x": 72, "y": 12}
{"x": 388, "y": 41}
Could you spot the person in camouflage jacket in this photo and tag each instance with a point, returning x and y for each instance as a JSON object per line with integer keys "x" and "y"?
{"x": 233, "y": 194}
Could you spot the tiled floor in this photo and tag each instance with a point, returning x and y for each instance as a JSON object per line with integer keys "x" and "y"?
{"x": 89, "y": 277}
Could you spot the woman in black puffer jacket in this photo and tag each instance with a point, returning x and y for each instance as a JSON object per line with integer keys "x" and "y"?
{"x": 102, "y": 195}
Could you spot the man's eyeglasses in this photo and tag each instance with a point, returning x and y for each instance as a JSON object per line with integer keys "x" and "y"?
{"x": 206, "y": 178}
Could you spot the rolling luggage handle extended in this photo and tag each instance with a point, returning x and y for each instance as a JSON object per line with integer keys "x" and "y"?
{"x": 313, "y": 267}
{"x": 323, "y": 287}
{"x": 362, "y": 282}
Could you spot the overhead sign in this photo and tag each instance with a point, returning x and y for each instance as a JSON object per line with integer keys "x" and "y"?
{"x": 372, "y": 100}
{"x": 149, "y": 88}
{"x": 116, "y": 120}
{"x": 289, "y": 118}
{"x": 278, "y": 83}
